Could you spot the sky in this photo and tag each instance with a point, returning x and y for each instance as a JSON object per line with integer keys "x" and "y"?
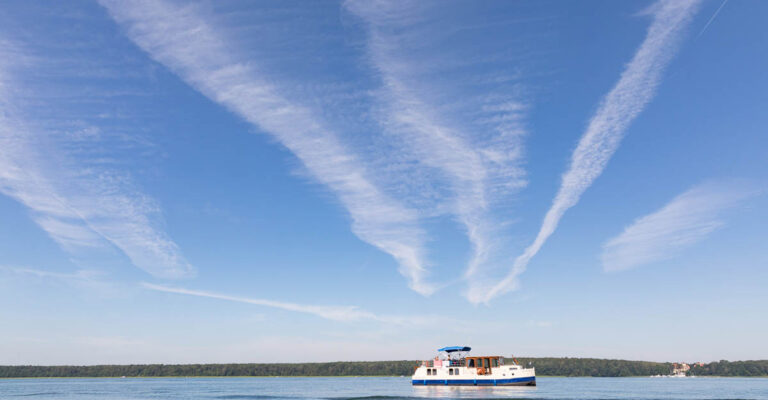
{"x": 283, "y": 181}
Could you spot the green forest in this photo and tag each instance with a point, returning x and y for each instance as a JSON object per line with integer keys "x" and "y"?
{"x": 731, "y": 368}
{"x": 544, "y": 367}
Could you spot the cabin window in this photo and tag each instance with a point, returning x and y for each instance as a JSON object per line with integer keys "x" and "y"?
{"x": 429, "y": 371}
{"x": 450, "y": 371}
{"x": 456, "y": 372}
{"x": 495, "y": 362}
{"x": 471, "y": 363}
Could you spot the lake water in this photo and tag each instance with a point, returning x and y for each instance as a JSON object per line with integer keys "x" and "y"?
{"x": 381, "y": 389}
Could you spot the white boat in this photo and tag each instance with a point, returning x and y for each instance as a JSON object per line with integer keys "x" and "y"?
{"x": 453, "y": 366}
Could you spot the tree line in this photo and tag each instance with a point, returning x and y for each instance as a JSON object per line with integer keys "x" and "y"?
{"x": 544, "y": 367}
{"x": 731, "y": 368}
{"x": 551, "y": 366}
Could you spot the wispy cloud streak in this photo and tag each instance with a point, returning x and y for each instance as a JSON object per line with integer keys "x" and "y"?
{"x": 80, "y": 275}
{"x": 619, "y": 108}
{"x": 686, "y": 220}
{"x": 478, "y": 160}
{"x": 81, "y": 279}
{"x": 334, "y": 313}
{"x": 77, "y": 204}
{"x": 86, "y": 208}
{"x": 182, "y": 40}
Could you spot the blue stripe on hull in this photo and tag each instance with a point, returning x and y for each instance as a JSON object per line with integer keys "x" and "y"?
{"x": 528, "y": 380}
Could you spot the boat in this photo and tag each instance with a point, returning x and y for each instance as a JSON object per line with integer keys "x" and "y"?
{"x": 454, "y": 366}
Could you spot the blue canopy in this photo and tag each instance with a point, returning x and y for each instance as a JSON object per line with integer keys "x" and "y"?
{"x": 451, "y": 349}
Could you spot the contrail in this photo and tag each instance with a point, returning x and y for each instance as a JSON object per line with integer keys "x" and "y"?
{"x": 619, "y": 108}
{"x": 477, "y": 162}
{"x": 712, "y": 19}
{"x": 78, "y": 204}
{"x": 185, "y": 42}
{"x": 333, "y": 313}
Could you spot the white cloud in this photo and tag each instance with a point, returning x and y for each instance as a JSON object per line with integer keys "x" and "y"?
{"x": 182, "y": 40}
{"x": 77, "y": 204}
{"x": 477, "y": 158}
{"x": 686, "y": 220}
{"x": 334, "y": 313}
{"x": 80, "y": 275}
{"x": 619, "y": 108}
{"x": 91, "y": 280}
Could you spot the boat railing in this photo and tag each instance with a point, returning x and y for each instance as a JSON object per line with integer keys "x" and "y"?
{"x": 445, "y": 363}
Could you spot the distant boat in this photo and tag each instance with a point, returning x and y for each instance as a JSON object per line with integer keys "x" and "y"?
{"x": 453, "y": 366}
{"x": 677, "y": 374}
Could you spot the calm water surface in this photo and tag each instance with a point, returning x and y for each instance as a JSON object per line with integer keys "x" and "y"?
{"x": 381, "y": 389}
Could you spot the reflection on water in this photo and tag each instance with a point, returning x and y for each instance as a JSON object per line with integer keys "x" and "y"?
{"x": 474, "y": 392}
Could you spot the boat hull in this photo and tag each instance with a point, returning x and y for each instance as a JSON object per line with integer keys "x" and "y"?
{"x": 522, "y": 381}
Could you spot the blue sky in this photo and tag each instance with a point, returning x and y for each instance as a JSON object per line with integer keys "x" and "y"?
{"x": 286, "y": 181}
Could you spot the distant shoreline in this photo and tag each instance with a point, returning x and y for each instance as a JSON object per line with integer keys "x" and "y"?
{"x": 545, "y": 367}
{"x": 339, "y": 376}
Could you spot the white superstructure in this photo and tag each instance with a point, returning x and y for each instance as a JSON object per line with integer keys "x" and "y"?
{"x": 452, "y": 366}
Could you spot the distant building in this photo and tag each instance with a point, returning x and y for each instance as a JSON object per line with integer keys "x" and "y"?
{"x": 680, "y": 369}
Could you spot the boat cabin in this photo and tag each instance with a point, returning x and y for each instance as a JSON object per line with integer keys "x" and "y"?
{"x": 484, "y": 365}
{"x": 456, "y": 357}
